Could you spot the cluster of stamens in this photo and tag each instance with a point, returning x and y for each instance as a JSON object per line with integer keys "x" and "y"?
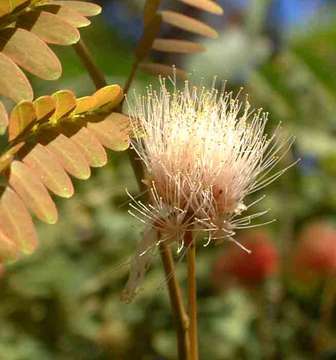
{"x": 204, "y": 152}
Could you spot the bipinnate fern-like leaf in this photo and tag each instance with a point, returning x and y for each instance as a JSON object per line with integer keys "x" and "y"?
{"x": 26, "y": 29}
{"x": 152, "y": 20}
{"x": 51, "y": 138}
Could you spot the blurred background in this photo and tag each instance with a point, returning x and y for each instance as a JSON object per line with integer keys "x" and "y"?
{"x": 277, "y": 303}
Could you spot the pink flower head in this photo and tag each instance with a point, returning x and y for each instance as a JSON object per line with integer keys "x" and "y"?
{"x": 204, "y": 152}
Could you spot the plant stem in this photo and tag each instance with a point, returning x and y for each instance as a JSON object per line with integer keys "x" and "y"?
{"x": 131, "y": 76}
{"x": 137, "y": 169}
{"x": 95, "y": 73}
{"x": 192, "y": 295}
{"x": 181, "y": 318}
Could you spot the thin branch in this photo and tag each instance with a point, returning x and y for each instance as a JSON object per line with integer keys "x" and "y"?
{"x": 95, "y": 73}
{"x": 137, "y": 169}
{"x": 131, "y": 77}
{"x": 192, "y": 295}
{"x": 181, "y": 318}
{"x": 146, "y": 41}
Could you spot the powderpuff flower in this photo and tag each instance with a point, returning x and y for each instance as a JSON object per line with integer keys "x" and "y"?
{"x": 248, "y": 269}
{"x": 315, "y": 254}
{"x": 204, "y": 152}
